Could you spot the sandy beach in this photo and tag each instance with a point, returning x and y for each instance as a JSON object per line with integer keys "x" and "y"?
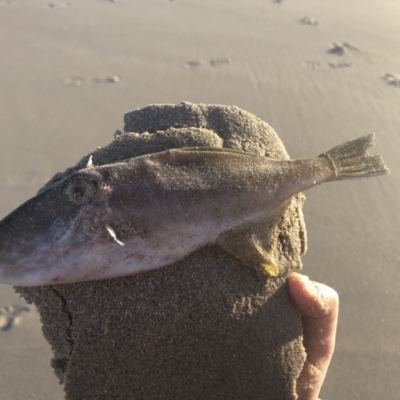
{"x": 318, "y": 72}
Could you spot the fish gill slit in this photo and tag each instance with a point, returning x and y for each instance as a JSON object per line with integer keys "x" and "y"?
{"x": 112, "y": 233}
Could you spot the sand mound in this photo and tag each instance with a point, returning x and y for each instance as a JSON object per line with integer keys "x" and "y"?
{"x": 206, "y": 327}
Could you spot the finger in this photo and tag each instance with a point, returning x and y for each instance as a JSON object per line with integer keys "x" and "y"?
{"x": 318, "y": 305}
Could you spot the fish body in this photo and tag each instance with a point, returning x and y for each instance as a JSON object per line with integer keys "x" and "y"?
{"x": 150, "y": 211}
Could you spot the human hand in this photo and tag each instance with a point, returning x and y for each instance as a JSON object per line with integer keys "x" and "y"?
{"x": 318, "y": 305}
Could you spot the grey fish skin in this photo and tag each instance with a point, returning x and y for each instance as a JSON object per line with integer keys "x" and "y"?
{"x": 150, "y": 211}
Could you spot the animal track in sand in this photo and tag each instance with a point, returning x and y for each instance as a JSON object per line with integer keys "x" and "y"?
{"x": 341, "y": 48}
{"x": 74, "y": 81}
{"x": 310, "y": 64}
{"x": 79, "y": 80}
{"x": 392, "y": 79}
{"x": 213, "y": 62}
{"x": 107, "y": 79}
{"x": 53, "y": 5}
{"x": 309, "y": 21}
{"x": 336, "y": 48}
{"x": 219, "y": 62}
{"x": 193, "y": 64}
{"x": 340, "y": 64}
{"x": 10, "y": 316}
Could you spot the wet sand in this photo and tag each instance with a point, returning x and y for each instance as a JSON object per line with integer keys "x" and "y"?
{"x": 70, "y": 70}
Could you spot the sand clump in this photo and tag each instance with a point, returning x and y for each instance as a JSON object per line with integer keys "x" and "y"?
{"x": 206, "y": 327}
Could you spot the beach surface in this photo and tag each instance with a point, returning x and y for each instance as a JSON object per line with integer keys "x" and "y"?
{"x": 318, "y": 73}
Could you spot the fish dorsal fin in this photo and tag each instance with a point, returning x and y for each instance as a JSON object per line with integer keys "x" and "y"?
{"x": 215, "y": 149}
{"x": 199, "y": 149}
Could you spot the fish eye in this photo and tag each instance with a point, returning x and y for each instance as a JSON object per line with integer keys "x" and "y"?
{"x": 80, "y": 190}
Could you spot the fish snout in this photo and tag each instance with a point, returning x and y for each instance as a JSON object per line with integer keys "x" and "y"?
{"x": 33, "y": 236}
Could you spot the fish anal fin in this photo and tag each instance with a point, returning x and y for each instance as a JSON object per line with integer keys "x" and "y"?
{"x": 267, "y": 262}
{"x": 254, "y": 244}
{"x": 270, "y": 269}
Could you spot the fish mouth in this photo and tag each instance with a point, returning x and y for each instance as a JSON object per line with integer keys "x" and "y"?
{"x": 21, "y": 272}
{"x": 37, "y": 239}
{"x": 49, "y": 264}
{"x": 29, "y": 265}
{"x": 27, "y": 257}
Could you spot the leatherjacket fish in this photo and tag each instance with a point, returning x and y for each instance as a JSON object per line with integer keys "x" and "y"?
{"x": 150, "y": 211}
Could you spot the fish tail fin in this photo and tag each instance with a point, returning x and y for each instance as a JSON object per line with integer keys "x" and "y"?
{"x": 352, "y": 161}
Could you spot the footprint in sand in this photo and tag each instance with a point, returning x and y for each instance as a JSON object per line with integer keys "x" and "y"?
{"x": 74, "y": 81}
{"x": 310, "y": 64}
{"x": 351, "y": 47}
{"x": 193, "y": 64}
{"x": 340, "y": 64}
{"x": 336, "y": 48}
{"x": 341, "y": 48}
{"x": 219, "y": 62}
{"x": 53, "y": 5}
{"x": 107, "y": 79}
{"x": 213, "y": 62}
{"x": 79, "y": 80}
{"x": 10, "y": 316}
{"x": 309, "y": 21}
{"x": 392, "y": 79}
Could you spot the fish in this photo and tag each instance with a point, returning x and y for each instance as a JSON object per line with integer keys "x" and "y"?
{"x": 150, "y": 211}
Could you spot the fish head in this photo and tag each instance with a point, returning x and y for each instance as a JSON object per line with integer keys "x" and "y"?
{"x": 49, "y": 238}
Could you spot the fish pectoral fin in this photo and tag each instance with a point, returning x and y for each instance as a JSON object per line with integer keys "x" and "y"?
{"x": 249, "y": 249}
{"x": 270, "y": 269}
{"x": 254, "y": 243}
{"x": 268, "y": 264}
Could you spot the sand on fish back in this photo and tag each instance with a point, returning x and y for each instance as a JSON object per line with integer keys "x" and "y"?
{"x": 207, "y": 327}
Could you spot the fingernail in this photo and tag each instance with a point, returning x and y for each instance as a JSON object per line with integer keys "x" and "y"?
{"x": 322, "y": 295}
